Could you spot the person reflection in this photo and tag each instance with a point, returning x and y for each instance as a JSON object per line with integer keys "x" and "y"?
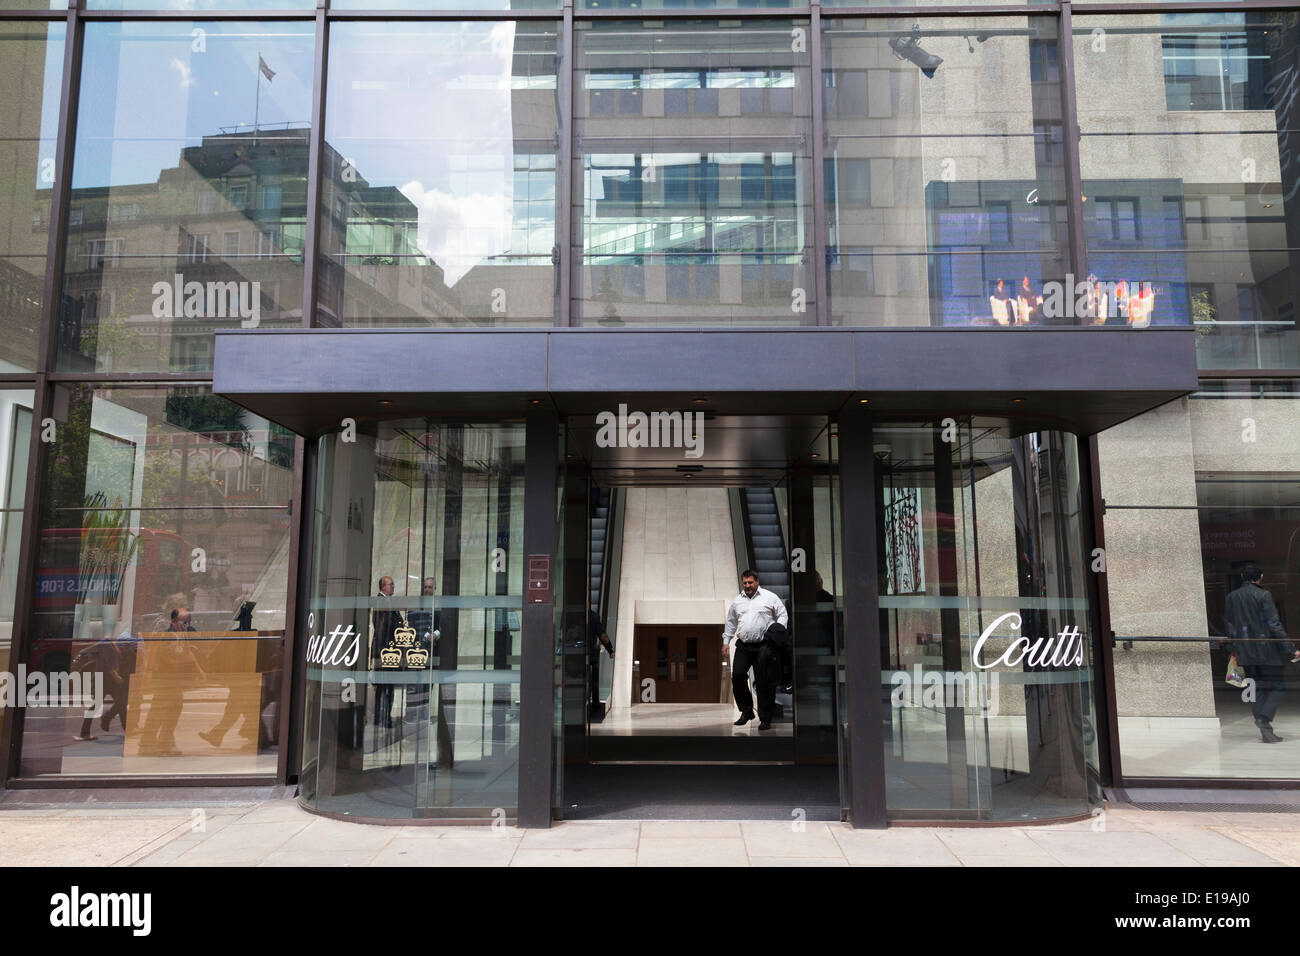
{"x": 170, "y": 666}
{"x": 427, "y": 621}
{"x": 1261, "y": 645}
{"x": 385, "y": 620}
{"x": 239, "y": 702}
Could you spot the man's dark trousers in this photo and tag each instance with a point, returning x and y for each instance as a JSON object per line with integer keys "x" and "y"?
{"x": 761, "y": 657}
{"x": 1269, "y": 690}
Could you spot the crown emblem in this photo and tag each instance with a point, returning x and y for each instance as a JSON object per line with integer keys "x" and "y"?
{"x": 404, "y": 636}
{"x": 390, "y": 657}
{"x": 417, "y": 657}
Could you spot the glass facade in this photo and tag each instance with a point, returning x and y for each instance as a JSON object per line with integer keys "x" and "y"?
{"x": 162, "y": 563}
{"x": 439, "y": 204}
{"x": 692, "y": 175}
{"x": 31, "y": 62}
{"x": 1191, "y": 211}
{"x": 945, "y": 178}
{"x": 15, "y": 440}
{"x": 1220, "y": 494}
{"x": 189, "y": 216}
{"x": 747, "y": 165}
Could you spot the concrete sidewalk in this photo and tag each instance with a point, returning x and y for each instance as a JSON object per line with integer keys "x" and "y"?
{"x": 280, "y": 833}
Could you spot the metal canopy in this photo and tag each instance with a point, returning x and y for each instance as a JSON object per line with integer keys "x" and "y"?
{"x": 1078, "y": 379}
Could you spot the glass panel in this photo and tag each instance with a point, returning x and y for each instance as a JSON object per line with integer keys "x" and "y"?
{"x": 1216, "y": 494}
{"x": 438, "y": 206}
{"x": 689, "y": 4}
{"x": 816, "y": 668}
{"x": 162, "y": 565}
{"x": 199, "y": 5}
{"x": 945, "y": 181}
{"x": 984, "y": 617}
{"x": 31, "y": 60}
{"x": 445, "y": 4}
{"x": 15, "y": 442}
{"x": 429, "y": 516}
{"x": 692, "y": 182}
{"x": 1192, "y": 214}
{"x": 919, "y": 3}
{"x": 187, "y": 208}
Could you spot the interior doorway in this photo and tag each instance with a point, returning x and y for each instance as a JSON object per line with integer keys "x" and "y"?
{"x": 653, "y": 549}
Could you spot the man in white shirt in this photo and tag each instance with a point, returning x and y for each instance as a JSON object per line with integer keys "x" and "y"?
{"x": 751, "y": 613}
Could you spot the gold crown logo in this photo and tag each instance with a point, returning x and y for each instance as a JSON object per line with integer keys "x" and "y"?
{"x": 390, "y": 657}
{"x": 417, "y": 657}
{"x": 404, "y": 636}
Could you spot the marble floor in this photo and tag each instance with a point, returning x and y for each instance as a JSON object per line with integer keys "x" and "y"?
{"x": 684, "y": 720}
{"x": 1233, "y": 749}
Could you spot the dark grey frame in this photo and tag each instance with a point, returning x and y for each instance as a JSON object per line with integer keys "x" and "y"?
{"x": 44, "y": 378}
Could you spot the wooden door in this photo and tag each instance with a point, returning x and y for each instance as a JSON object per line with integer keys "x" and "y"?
{"x": 685, "y": 661}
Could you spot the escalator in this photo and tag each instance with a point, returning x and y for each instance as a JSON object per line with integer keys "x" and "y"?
{"x": 605, "y": 543}
{"x": 765, "y": 541}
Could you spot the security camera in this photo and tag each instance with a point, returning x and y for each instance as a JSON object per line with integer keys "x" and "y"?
{"x": 909, "y": 48}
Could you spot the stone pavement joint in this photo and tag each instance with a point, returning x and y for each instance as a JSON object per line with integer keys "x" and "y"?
{"x": 278, "y": 832}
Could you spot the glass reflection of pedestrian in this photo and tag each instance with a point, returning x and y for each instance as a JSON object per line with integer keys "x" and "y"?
{"x": 427, "y": 621}
{"x": 100, "y": 658}
{"x": 1261, "y": 645}
{"x": 158, "y": 737}
{"x": 238, "y": 703}
{"x": 1030, "y": 301}
{"x": 1000, "y": 304}
{"x": 385, "y": 620}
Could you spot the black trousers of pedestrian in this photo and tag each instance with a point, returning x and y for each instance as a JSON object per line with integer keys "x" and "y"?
{"x": 1269, "y": 691}
{"x": 762, "y": 658}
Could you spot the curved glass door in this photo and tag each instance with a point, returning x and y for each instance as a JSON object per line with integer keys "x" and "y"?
{"x": 984, "y": 622}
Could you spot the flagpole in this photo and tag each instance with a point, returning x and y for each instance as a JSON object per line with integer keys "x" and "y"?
{"x": 257, "y": 98}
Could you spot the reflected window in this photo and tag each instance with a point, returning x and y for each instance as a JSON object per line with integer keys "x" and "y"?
{"x": 681, "y": 219}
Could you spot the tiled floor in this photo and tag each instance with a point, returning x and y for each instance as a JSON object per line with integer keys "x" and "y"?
{"x": 280, "y": 833}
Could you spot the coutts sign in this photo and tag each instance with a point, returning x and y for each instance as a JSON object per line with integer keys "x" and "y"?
{"x": 1064, "y": 650}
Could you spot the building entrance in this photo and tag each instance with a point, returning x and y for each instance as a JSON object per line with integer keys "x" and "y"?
{"x": 655, "y": 543}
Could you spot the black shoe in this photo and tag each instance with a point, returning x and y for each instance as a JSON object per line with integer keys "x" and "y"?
{"x": 764, "y": 725}
{"x": 744, "y": 719}
{"x": 1267, "y": 736}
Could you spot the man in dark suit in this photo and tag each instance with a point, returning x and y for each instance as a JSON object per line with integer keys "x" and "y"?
{"x": 1261, "y": 645}
{"x": 385, "y": 619}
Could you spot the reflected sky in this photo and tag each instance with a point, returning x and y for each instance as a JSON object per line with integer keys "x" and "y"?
{"x": 150, "y": 89}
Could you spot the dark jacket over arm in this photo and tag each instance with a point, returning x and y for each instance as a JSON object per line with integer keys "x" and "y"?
{"x": 1256, "y": 628}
